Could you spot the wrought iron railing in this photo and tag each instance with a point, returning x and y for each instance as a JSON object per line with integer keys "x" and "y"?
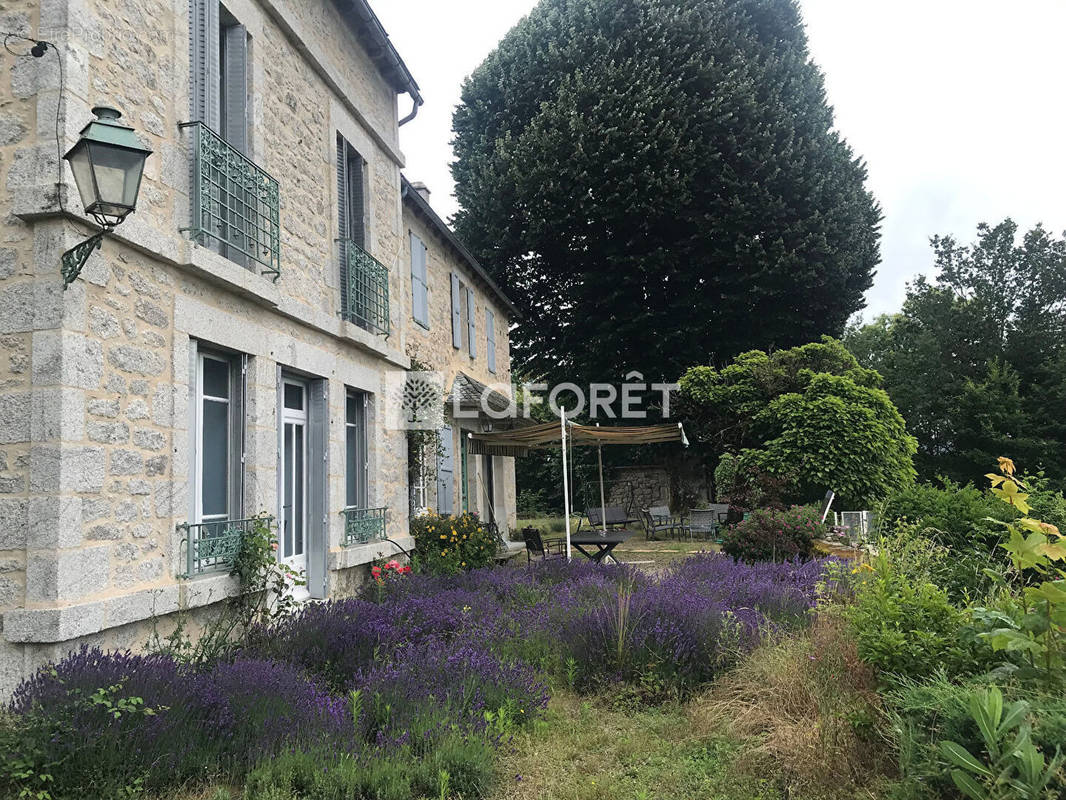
{"x": 368, "y": 289}
{"x": 362, "y": 525}
{"x": 213, "y": 546}
{"x": 234, "y": 202}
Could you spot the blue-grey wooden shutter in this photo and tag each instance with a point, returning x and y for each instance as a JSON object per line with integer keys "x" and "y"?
{"x": 457, "y": 322}
{"x": 490, "y": 338}
{"x": 235, "y": 93}
{"x": 419, "y": 282}
{"x": 342, "y": 220}
{"x": 471, "y": 324}
{"x": 446, "y": 473}
{"x": 203, "y": 62}
{"x": 317, "y": 548}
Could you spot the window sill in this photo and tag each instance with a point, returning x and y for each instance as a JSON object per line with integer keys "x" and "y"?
{"x": 358, "y": 554}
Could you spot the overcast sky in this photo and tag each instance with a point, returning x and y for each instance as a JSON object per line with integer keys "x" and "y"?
{"x": 956, "y": 106}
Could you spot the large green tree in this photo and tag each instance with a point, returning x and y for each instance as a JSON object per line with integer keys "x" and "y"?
{"x": 660, "y": 184}
{"x": 976, "y": 358}
{"x": 810, "y": 415}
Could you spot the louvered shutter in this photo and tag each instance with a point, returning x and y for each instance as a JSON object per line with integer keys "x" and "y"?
{"x": 235, "y": 96}
{"x": 419, "y": 282}
{"x": 342, "y": 220}
{"x": 457, "y": 322}
{"x": 490, "y": 338}
{"x": 203, "y": 62}
{"x": 317, "y": 547}
{"x": 471, "y": 324}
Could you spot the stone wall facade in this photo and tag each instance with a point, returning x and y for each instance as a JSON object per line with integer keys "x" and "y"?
{"x": 96, "y": 451}
{"x": 433, "y": 346}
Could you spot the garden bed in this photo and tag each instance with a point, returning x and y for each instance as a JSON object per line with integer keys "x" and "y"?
{"x": 403, "y": 692}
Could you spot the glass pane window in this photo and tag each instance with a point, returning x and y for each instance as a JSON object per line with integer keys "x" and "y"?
{"x": 294, "y": 396}
{"x": 217, "y": 456}
{"x": 356, "y": 479}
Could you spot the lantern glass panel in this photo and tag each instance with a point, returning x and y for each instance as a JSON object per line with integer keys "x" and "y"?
{"x": 83, "y": 174}
{"x": 118, "y": 174}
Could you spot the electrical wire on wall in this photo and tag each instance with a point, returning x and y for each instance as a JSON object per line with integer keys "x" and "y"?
{"x": 38, "y": 50}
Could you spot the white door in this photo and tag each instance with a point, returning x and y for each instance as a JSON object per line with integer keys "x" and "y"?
{"x": 293, "y": 467}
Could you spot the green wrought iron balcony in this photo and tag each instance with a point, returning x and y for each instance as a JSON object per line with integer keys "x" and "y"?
{"x": 366, "y": 298}
{"x": 362, "y": 525}
{"x": 213, "y": 546}
{"x": 234, "y": 203}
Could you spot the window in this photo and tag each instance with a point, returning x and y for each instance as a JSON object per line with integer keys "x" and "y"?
{"x": 351, "y": 224}
{"x": 419, "y": 287}
{"x": 356, "y": 460}
{"x": 218, "y": 436}
{"x": 490, "y": 339}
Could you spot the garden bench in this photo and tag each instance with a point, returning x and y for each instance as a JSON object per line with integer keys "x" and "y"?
{"x": 611, "y": 516}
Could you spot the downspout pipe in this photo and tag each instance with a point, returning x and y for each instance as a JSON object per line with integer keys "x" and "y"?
{"x": 416, "y": 102}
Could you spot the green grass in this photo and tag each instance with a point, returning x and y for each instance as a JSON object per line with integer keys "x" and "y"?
{"x": 586, "y": 750}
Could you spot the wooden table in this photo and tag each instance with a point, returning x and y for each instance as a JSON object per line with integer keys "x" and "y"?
{"x": 603, "y": 543}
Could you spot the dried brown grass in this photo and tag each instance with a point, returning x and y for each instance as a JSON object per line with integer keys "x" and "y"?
{"x": 807, "y": 707}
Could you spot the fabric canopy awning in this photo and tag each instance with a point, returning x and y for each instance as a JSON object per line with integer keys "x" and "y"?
{"x": 520, "y": 441}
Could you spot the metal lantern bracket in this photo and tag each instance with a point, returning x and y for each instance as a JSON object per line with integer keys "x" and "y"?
{"x": 74, "y": 259}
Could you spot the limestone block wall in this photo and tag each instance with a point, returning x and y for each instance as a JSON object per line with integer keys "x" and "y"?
{"x": 433, "y": 346}
{"x": 94, "y": 381}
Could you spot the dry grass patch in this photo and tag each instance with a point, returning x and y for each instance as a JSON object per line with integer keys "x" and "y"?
{"x": 586, "y": 750}
{"x": 806, "y": 707}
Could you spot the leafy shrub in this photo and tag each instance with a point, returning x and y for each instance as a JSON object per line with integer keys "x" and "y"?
{"x": 1032, "y": 632}
{"x": 1014, "y": 766}
{"x": 449, "y": 544}
{"x": 772, "y": 535}
{"x": 924, "y": 713}
{"x": 959, "y": 513}
{"x": 905, "y": 625}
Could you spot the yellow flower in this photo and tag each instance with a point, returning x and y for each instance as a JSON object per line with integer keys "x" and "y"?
{"x": 1006, "y": 466}
{"x": 464, "y": 563}
{"x": 443, "y": 536}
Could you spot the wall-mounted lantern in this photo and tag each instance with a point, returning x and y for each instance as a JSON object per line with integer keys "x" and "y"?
{"x": 107, "y": 162}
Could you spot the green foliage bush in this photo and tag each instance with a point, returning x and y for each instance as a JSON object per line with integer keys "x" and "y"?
{"x": 922, "y": 713}
{"x": 905, "y": 625}
{"x": 447, "y": 545}
{"x": 774, "y": 535}
{"x": 810, "y": 415}
{"x": 531, "y": 503}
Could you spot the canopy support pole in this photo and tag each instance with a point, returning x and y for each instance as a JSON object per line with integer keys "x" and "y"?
{"x": 566, "y": 486}
{"x": 603, "y": 504}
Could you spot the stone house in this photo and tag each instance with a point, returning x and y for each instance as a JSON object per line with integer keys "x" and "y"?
{"x": 460, "y": 327}
{"x": 226, "y": 351}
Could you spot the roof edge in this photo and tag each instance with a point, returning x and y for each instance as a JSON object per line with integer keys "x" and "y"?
{"x": 388, "y": 58}
{"x": 411, "y": 195}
